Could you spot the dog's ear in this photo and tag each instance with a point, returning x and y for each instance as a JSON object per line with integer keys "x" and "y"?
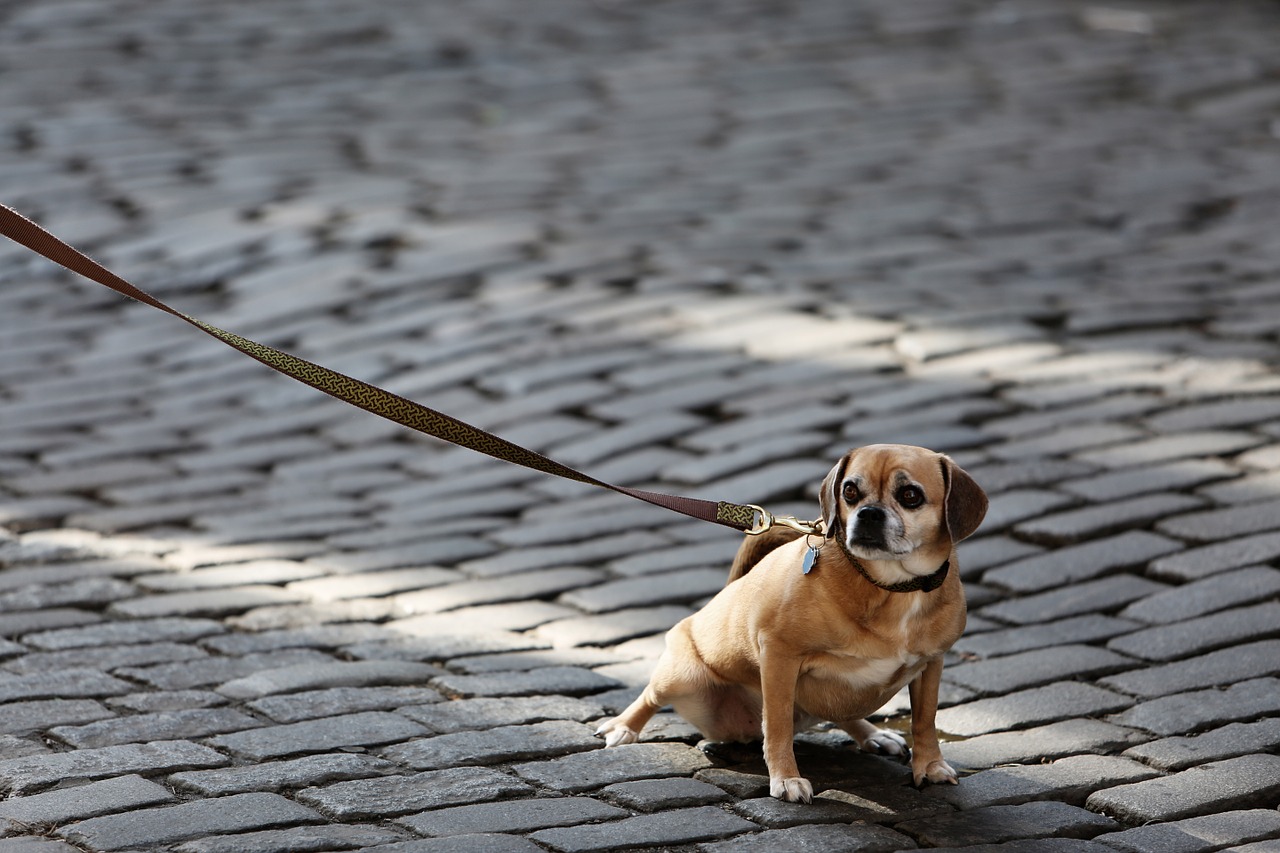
{"x": 829, "y": 497}
{"x": 966, "y": 502}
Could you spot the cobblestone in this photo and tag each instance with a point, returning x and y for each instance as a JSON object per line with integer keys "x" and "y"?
{"x": 398, "y": 795}
{"x": 681, "y": 826}
{"x": 84, "y": 801}
{"x": 1198, "y": 833}
{"x": 1230, "y": 741}
{"x": 280, "y": 775}
{"x": 24, "y": 775}
{"x": 995, "y": 824}
{"x": 518, "y": 816}
{"x": 640, "y": 243}
{"x": 1252, "y": 780}
{"x": 153, "y": 827}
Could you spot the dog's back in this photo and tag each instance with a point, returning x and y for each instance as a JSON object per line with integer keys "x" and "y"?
{"x": 753, "y": 549}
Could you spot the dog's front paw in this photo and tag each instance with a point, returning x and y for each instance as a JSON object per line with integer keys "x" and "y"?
{"x": 793, "y": 789}
{"x": 936, "y": 771}
{"x": 883, "y": 742}
{"x": 616, "y": 734}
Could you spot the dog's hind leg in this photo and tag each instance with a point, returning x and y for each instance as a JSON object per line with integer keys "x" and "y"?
{"x": 676, "y": 676}
{"x": 874, "y": 740}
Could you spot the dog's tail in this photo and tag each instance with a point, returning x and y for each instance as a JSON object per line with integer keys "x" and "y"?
{"x": 753, "y": 549}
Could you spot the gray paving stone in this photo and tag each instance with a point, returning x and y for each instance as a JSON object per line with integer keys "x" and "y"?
{"x": 1170, "y": 447}
{"x": 491, "y": 746}
{"x": 1036, "y": 706}
{"x": 253, "y": 572}
{"x": 1230, "y": 741}
{"x": 294, "y": 679}
{"x": 488, "y": 713}
{"x": 586, "y": 657}
{"x": 36, "y": 621}
{"x": 1223, "y": 667}
{"x": 22, "y": 718}
{"x": 681, "y": 826}
{"x": 323, "y": 587}
{"x": 513, "y": 816}
{"x": 1199, "y": 709}
{"x": 205, "y": 672}
{"x": 1056, "y": 740}
{"x": 776, "y": 814}
{"x": 1236, "y": 783}
{"x": 995, "y": 824}
{"x": 445, "y": 646}
{"x": 985, "y": 552}
{"x": 29, "y": 774}
{"x": 296, "y": 840}
{"x": 1071, "y": 780}
{"x": 483, "y": 842}
{"x": 564, "y": 680}
{"x": 1182, "y": 639}
{"x": 169, "y": 725}
{"x": 106, "y": 658}
{"x": 1074, "y": 629}
{"x": 1016, "y": 505}
{"x": 1036, "y": 667}
{"x": 175, "y": 630}
{"x": 167, "y": 700}
{"x": 1169, "y": 477}
{"x": 612, "y": 628}
{"x": 670, "y": 587}
{"x": 649, "y": 795}
{"x": 323, "y": 636}
{"x": 1228, "y": 589}
{"x": 62, "y": 684}
{"x": 556, "y": 556}
{"x": 281, "y": 775}
{"x": 1195, "y": 563}
{"x": 153, "y": 827}
{"x": 510, "y": 616}
{"x": 88, "y": 593}
{"x": 1104, "y": 594}
{"x": 369, "y": 728}
{"x": 1080, "y": 562}
{"x": 525, "y": 586}
{"x": 1246, "y": 489}
{"x": 1100, "y": 519}
{"x": 1190, "y": 835}
{"x": 836, "y": 838}
{"x": 588, "y": 770}
{"x": 214, "y": 602}
{"x": 390, "y": 796}
{"x": 1214, "y": 525}
{"x": 83, "y": 801}
{"x": 688, "y": 556}
{"x": 309, "y": 705}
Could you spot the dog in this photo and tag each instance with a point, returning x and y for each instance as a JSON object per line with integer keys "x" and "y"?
{"x": 829, "y": 626}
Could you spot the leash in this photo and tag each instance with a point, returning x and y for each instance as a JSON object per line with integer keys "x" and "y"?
{"x": 383, "y": 403}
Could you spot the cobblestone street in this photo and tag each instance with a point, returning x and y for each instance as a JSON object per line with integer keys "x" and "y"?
{"x": 698, "y": 248}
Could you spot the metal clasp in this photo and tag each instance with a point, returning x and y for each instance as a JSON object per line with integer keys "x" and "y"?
{"x": 768, "y": 520}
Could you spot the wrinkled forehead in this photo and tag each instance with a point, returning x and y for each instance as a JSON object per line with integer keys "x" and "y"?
{"x": 891, "y": 466}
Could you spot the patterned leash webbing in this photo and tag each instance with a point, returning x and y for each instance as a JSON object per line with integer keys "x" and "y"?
{"x": 371, "y": 398}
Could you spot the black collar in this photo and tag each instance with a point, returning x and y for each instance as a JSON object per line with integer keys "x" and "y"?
{"x": 920, "y": 583}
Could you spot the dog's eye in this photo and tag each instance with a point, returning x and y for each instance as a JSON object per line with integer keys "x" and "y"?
{"x": 851, "y": 492}
{"x": 910, "y": 497}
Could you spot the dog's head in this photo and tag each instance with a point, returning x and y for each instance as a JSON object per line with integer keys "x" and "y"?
{"x": 895, "y": 502}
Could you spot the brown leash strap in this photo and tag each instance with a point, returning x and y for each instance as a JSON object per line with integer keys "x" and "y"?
{"x": 371, "y": 398}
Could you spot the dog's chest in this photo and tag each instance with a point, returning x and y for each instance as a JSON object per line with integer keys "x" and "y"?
{"x": 860, "y": 673}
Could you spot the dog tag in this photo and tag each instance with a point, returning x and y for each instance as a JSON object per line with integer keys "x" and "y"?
{"x": 810, "y": 555}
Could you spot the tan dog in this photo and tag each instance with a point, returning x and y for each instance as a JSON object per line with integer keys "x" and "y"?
{"x": 779, "y": 648}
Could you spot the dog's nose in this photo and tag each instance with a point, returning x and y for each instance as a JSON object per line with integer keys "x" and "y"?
{"x": 871, "y": 515}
